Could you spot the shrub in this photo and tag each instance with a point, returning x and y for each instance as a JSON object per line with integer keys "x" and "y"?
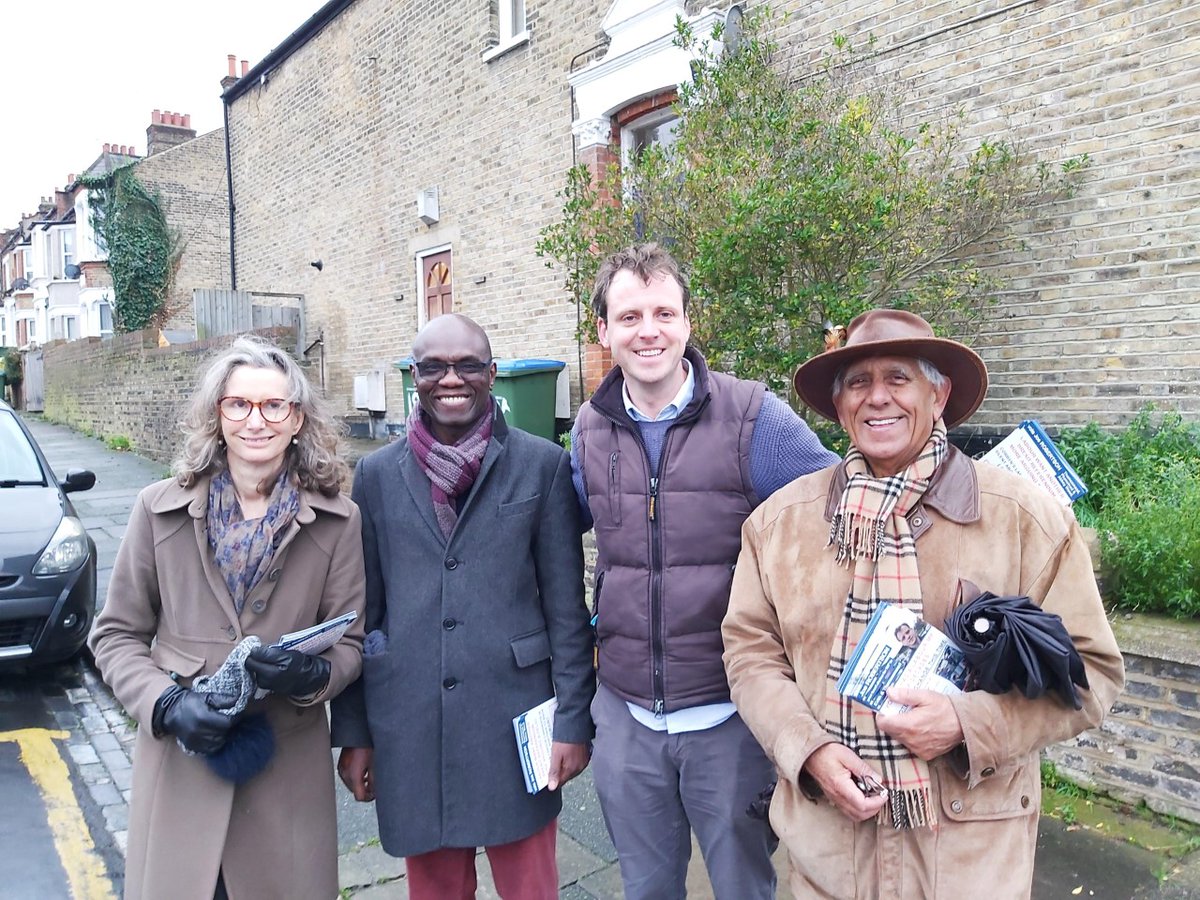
{"x": 1144, "y": 499}
{"x": 1151, "y": 539}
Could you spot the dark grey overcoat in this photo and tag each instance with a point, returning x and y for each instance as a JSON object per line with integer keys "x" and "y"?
{"x": 479, "y": 629}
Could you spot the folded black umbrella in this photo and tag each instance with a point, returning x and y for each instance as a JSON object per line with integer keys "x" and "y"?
{"x": 1012, "y": 642}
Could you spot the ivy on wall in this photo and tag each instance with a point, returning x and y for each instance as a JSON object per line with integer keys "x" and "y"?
{"x": 143, "y": 250}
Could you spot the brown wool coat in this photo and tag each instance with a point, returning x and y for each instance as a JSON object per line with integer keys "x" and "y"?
{"x": 168, "y": 611}
{"x": 975, "y": 523}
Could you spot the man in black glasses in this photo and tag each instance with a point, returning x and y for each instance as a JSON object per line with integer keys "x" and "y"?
{"x": 475, "y": 615}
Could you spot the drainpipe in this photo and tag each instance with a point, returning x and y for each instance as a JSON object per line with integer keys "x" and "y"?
{"x": 229, "y": 188}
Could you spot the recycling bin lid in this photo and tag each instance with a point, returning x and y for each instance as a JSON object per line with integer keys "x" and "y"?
{"x": 509, "y": 367}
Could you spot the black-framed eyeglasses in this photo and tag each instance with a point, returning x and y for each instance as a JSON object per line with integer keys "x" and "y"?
{"x": 273, "y": 410}
{"x": 436, "y": 369}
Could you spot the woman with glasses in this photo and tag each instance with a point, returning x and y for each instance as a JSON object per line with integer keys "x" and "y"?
{"x": 251, "y": 540}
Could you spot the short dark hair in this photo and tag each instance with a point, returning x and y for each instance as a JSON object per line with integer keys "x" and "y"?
{"x": 647, "y": 261}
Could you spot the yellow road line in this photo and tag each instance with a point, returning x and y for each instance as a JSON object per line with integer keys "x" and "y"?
{"x": 86, "y": 874}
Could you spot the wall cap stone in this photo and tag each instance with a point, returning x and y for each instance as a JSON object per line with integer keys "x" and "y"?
{"x": 1158, "y": 637}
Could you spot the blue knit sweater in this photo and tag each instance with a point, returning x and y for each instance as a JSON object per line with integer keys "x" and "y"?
{"x": 782, "y": 448}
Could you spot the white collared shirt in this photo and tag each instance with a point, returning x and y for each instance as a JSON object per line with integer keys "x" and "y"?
{"x": 672, "y": 410}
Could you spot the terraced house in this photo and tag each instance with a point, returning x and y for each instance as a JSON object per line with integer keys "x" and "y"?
{"x": 415, "y": 151}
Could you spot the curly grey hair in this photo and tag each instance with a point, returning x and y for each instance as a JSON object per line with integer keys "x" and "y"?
{"x": 314, "y": 459}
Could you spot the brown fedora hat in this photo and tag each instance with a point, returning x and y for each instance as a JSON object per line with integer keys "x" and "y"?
{"x": 894, "y": 332}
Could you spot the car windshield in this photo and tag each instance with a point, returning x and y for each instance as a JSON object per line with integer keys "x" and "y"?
{"x": 18, "y": 463}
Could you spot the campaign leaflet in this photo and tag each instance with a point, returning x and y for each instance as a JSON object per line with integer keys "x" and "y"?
{"x": 899, "y": 649}
{"x": 317, "y": 638}
{"x": 534, "y": 730}
{"x": 1028, "y": 451}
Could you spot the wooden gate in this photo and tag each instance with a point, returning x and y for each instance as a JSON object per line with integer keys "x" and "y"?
{"x": 235, "y": 312}
{"x": 34, "y": 383}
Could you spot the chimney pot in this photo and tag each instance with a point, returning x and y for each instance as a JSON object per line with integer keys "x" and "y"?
{"x": 232, "y": 65}
{"x": 106, "y": 148}
{"x": 245, "y": 67}
{"x": 187, "y": 120}
{"x": 156, "y": 117}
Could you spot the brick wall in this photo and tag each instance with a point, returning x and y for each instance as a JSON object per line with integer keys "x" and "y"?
{"x": 1149, "y": 747}
{"x": 404, "y": 102}
{"x": 190, "y": 181}
{"x": 128, "y": 386}
{"x": 1099, "y": 315}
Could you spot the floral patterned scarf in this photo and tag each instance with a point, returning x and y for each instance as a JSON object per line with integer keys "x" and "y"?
{"x": 870, "y": 529}
{"x": 244, "y": 550}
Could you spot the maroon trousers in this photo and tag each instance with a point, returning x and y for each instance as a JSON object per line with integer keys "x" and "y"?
{"x": 523, "y": 870}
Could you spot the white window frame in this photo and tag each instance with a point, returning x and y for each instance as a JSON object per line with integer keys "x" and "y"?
{"x": 656, "y": 117}
{"x": 512, "y": 27}
{"x": 100, "y": 307}
{"x": 68, "y": 249}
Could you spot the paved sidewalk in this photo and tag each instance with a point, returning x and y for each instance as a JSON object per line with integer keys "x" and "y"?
{"x": 1076, "y": 863}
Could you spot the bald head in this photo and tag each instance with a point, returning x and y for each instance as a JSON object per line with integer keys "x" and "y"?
{"x": 456, "y": 331}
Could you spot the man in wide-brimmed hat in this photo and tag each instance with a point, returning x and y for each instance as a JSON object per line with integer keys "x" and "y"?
{"x": 904, "y": 518}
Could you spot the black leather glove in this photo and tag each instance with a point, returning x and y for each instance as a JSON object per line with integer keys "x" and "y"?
{"x": 194, "y": 717}
{"x": 288, "y": 671}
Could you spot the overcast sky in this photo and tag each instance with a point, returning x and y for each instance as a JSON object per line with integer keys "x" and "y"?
{"x": 81, "y": 73}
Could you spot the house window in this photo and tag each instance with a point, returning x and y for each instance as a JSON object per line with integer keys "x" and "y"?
{"x": 68, "y": 249}
{"x": 106, "y": 323}
{"x": 510, "y": 28}
{"x": 512, "y": 20}
{"x": 654, "y": 129}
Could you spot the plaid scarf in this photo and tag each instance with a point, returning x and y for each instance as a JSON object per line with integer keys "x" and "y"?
{"x": 870, "y": 528}
{"x": 451, "y": 468}
{"x": 244, "y": 550}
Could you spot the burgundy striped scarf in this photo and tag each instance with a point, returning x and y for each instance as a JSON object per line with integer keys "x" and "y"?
{"x": 451, "y": 468}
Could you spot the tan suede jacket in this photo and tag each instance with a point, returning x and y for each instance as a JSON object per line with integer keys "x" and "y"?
{"x": 975, "y": 523}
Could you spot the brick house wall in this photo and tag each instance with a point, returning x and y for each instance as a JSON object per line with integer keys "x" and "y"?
{"x": 1096, "y": 318}
{"x": 1100, "y": 315}
{"x": 191, "y": 184}
{"x": 404, "y": 102}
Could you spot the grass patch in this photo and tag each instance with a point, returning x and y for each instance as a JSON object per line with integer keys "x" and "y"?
{"x": 118, "y": 442}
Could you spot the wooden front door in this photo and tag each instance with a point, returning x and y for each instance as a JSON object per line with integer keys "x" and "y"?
{"x": 439, "y": 296}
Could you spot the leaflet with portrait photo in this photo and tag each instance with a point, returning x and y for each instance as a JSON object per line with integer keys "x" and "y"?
{"x": 899, "y": 649}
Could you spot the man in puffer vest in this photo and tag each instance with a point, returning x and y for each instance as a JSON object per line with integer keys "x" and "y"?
{"x": 668, "y": 460}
